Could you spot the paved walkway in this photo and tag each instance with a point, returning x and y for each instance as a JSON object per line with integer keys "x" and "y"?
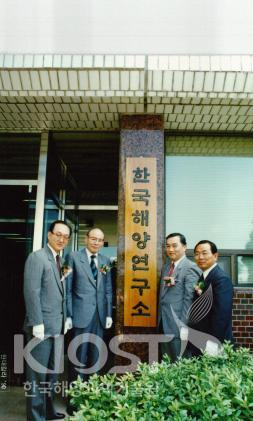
{"x": 12, "y": 404}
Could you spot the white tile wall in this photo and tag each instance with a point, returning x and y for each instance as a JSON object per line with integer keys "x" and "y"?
{"x": 90, "y": 92}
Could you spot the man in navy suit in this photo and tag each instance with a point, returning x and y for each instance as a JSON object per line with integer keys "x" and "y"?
{"x": 213, "y": 299}
{"x": 89, "y": 302}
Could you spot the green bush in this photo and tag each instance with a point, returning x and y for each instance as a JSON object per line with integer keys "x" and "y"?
{"x": 207, "y": 388}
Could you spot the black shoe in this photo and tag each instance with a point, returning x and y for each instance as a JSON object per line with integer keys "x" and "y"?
{"x": 56, "y": 416}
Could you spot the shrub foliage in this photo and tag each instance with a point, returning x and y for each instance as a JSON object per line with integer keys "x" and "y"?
{"x": 206, "y": 388}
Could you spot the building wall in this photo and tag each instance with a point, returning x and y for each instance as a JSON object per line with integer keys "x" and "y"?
{"x": 105, "y": 220}
{"x": 126, "y": 27}
{"x": 243, "y": 317}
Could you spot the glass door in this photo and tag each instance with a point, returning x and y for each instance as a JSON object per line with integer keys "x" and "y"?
{"x": 17, "y": 209}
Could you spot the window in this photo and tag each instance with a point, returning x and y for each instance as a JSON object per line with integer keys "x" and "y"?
{"x": 212, "y": 198}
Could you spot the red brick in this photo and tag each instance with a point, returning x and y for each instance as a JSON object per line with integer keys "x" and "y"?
{"x": 241, "y": 329}
{"x": 236, "y": 312}
{"x": 245, "y": 323}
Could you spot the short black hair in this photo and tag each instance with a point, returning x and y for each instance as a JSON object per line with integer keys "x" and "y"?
{"x": 59, "y": 221}
{"x": 177, "y": 234}
{"x": 212, "y": 246}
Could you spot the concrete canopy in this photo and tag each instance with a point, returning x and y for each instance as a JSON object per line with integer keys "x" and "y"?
{"x": 89, "y": 92}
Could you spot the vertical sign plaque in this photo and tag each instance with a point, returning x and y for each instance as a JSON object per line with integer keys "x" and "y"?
{"x": 140, "y": 284}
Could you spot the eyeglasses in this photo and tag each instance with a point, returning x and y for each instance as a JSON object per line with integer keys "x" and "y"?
{"x": 60, "y": 236}
{"x": 96, "y": 240}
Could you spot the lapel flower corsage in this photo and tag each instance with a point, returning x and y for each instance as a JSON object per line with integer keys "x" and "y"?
{"x": 104, "y": 269}
{"x": 199, "y": 287}
{"x": 169, "y": 281}
{"x": 65, "y": 271}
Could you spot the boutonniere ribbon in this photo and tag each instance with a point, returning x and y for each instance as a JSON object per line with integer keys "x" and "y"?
{"x": 169, "y": 281}
{"x": 104, "y": 269}
{"x": 199, "y": 287}
{"x": 65, "y": 270}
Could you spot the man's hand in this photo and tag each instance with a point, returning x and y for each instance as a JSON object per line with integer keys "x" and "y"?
{"x": 38, "y": 332}
{"x": 108, "y": 322}
{"x": 68, "y": 324}
{"x": 212, "y": 348}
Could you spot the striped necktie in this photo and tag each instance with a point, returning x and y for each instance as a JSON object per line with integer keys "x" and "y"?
{"x": 93, "y": 266}
{"x": 171, "y": 269}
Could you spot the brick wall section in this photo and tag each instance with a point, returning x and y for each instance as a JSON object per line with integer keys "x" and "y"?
{"x": 243, "y": 317}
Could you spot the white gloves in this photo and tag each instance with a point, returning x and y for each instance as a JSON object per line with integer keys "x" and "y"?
{"x": 38, "y": 332}
{"x": 212, "y": 348}
{"x": 68, "y": 324}
{"x": 108, "y": 322}
{"x": 184, "y": 332}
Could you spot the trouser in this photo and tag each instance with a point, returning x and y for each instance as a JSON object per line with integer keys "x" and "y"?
{"x": 87, "y": 352}
{"x": 171, "y": 348}
{"x": 40, "y": 385}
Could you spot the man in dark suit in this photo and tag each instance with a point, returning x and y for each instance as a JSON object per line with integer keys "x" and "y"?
{"x": 211, "y": 311}
{"x": 179, "y": 275}
{"x": 45, "y": 301}
{"x": 89, "y": 302}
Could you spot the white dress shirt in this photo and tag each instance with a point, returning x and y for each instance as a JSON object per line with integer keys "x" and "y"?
{"x": 207, "y": 271}
{"x": 89, "y": 254}
{"x": 53, "y": 251}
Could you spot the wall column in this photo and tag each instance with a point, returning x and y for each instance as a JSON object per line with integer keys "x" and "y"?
{"x": 40, "y": 198}
{"x": 140, "y": 226}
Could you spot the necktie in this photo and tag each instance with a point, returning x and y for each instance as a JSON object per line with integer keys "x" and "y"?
{"x": 171, "y": 269}
{"x": 201, "y": 279}
{"x": 93, "y": 266}
{"x": 58, "y": 264}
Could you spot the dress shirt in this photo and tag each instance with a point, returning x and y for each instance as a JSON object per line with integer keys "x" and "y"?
{"x": 89, "y": 254}
{"x": 178, "y": 261}
{"x": 206, "y": 272}
{"x": 53, "y": 251}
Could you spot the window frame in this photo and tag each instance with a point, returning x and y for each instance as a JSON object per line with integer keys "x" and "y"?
{"x": 233, "y": 255}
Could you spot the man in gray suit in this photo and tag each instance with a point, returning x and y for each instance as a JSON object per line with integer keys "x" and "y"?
{"x": 179, "y": 275}
{"x": 89, "y": 301}
{"x": 45, "y": 301}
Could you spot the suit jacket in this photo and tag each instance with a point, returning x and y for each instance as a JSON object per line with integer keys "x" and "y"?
{"x": 44, "y": 293}
{"x": 84, "y": 294}
{"x": 218, "y": 321}
{"x": 179, "y": 296}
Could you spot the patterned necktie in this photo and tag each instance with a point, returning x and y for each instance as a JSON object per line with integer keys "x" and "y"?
{"x": 93, "y": 266}
{"x": 58, "y": 264}
{"x": 201, "y": 279}
{"x": 171, "y": 269}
